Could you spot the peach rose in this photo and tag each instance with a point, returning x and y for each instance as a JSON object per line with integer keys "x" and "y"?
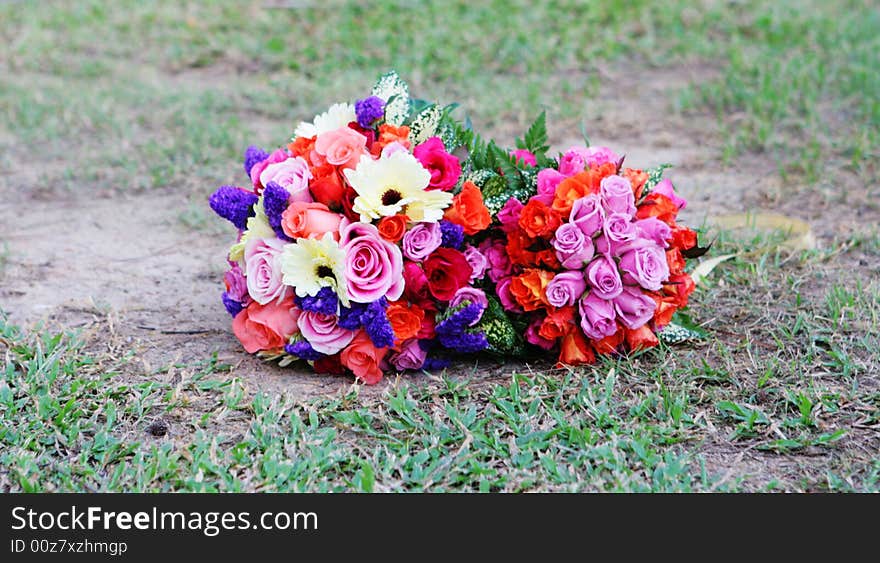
{"x": 265, "y": 327}
{"x": 362, "y": 358}
{"x": 341, "y": 147}
{"x": 309, "y": 220}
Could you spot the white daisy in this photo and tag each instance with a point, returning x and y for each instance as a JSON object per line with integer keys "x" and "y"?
{"x": 339, "y": 115}
{"x": 310, "y": 264}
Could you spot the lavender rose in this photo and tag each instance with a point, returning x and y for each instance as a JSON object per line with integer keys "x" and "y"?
{"x": 323, "y": 332}
{"x": 410, "y": 355}
{"x": 566, "y": 288}
{"x": 420, "y": 241}
{"x": 293, "y": 175}
{"x": 262, "y": 258}
{"x": 587, "y": 214}
{"x": 654, "y": 229}
{"x": 573, "y": 248}
{"x": 604, "y": 278}
{"x": 646, "y": 266}
{"x": 634, "y": 308}
{"x": 597, "y": 316}
{"x": 478, "y": 261}
{"x": 617, "y": 195}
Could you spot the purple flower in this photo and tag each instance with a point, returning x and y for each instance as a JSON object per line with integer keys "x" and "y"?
{"x": 436, "y": 364}
{"x": 573, "y": 248}
{"x": 409, "y": 356}
{"x": 452, "y": 332}
{"x": 470, "y": 295}
{"x": 654, "y": 229}
{"x": 233, "y": 307}
{"x": 350, "y": 317}
{"x": 617, "y": 195}
{"x": 275, "y": 200}
{"x": 303, "y": 350}
{"x": 236, "y": 284}
{"x": 420, "y": 241}
{"x": 619, "y": 229}
{"x": 634, "y": 308}
{"x": 478, "y": 261}
{"x": 604, "y": 278}
{"x": 253, "y": 155}
{"x": 233, "y": 204}
{"x": 369, "y": 110}
{"x": 597, "y": 317}
{"x": 566, "y": 288}
{"x": 646, "y": 266}
{"x": 587, "y": 214}
{"x": 325, "y": 301}
{"x": 377, "y": 325}
{"x": 665, "y": 188}
{"x": 453, "y": 234}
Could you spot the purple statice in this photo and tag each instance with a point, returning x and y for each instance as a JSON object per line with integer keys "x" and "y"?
{"x": 325, "y": 301}
{"x": 232, "y": 306}
{"x": 369, "y": 110}
{"x": 377, "y": 325}
{"x": 303, "y": 350}
{"x": 453, "y": 334}
{"x": 350, "y": 317}
{"x": 275, "y": 203}
{"x": 453, "y": 235}
{"x": 252, "y": 155}
{"x": 435, "y": 364}
{"x": 233, "y": 204}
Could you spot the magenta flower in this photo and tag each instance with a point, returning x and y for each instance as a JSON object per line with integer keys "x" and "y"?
{"x": 604, "y": 278}
{"x": 373, "y": 266}
{"x": 634, "y": 308}
{"x": 597, "y": 316}
{"x": 566, "y": 288}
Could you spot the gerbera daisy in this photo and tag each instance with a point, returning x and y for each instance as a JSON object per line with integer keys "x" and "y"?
{"x": 338, "y": 115}
{"x": 310, "y": 264}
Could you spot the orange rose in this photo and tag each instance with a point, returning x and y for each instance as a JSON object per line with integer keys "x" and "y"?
{"x": 641, "y": 338}
{"x": 392, "y": 228}
{"x": 362, "y": 358}
{"x": 518, "y": 244}
{"x": 265, "y": 327}
{"x": 538, "y": 220}
{"x": 678, "y": 288}
{"x": 406, "y": 319}
{"x": 580, "y": 185}
{"x": 637, "y": 178}
{"x": 609, "y": 344}
{"x": 675, "y": 261}
{"x": 529, "y": 288}
{"x": 558, "y": 322}
{"x": 468, "y": 210}
{"x": 326, "y": 186}
{"x": 666, "y": 307}
{"x": 575, "y": 350}
{"x": 387, "y": 135}
{"x": 683, "y": 238}
{"x": 305, "y": 220}
{"x": 659, "y": 206}
{"x": 548, "y": 259}
{"x": 305, "y": 147}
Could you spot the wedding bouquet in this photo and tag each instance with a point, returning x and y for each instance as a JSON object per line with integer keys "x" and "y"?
{"x": 589, "y": 259}
{"x": 353, "y": 249}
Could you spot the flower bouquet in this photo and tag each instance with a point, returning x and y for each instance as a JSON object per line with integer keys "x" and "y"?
{"x": 354, "y": 249}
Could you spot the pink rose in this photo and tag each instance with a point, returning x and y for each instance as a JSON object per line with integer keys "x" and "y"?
{"x": 236, "y": 284}
{"x": 323, "y": 332}
{"x": 262, "y": 258}
{"x": 496, "y": 255}
{"x": 618, "y": 229}
{"x": 634, "y": 307}
{"x": 665, "y": 188}
{"x": 373, "y": 266}
{"x": 597, "y": 317}
{"x": 604, "y": 278}
{"x": 508, "y": 301}
{"x": 363, "y": 358}
{"x": 573, "y": 249}
{"x": 508, "y": 216}
{"x": 416, "y": 283}
{"x": 341, "y": 147}
{"x": 445, "y": 169}
{"x": 596, "y": 156}
{"x": 587, "y": 214}
{"x": 617, "y": 195}
{"x": 279, "y": 155}
{"x": 548, "y": 180}
{"x": 265, "y": 327}
{"x": 409, "y": 355}
{"x": 524, "y": 156}
{"x": 309, "y": 220}
{"x": 421, "y": 240}
{"x": 573, "y": 161}
{"x": 478, "y": 262}
{"x": 646, "y": 267}
{"x": 654, "y": 229}
{"x": 292, "y": 174}
{"x": 532, "y": 336}
{"x": 566, "y": 288}
{"x": 473, "y": 295}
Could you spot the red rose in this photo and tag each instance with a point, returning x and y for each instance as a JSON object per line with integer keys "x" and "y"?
{"x": 348, "y": 197}
{"x": 447, "y": 271}
{"x": 329, "y": 364}
{"x": 444, "y": 168}
{"x": 327, "y": 186}
{"x": 683, "y": 238}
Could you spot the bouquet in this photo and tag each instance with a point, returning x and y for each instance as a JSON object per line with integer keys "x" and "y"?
{"x": 589, "y": 259}
{"x": 355, "y": 248}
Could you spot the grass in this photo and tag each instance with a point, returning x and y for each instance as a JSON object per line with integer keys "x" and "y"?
{"x": 126, "y": 97}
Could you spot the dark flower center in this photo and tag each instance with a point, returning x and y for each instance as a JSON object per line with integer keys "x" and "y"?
{"x": 324, "y": 272}
{"x": 391, "y": 197}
